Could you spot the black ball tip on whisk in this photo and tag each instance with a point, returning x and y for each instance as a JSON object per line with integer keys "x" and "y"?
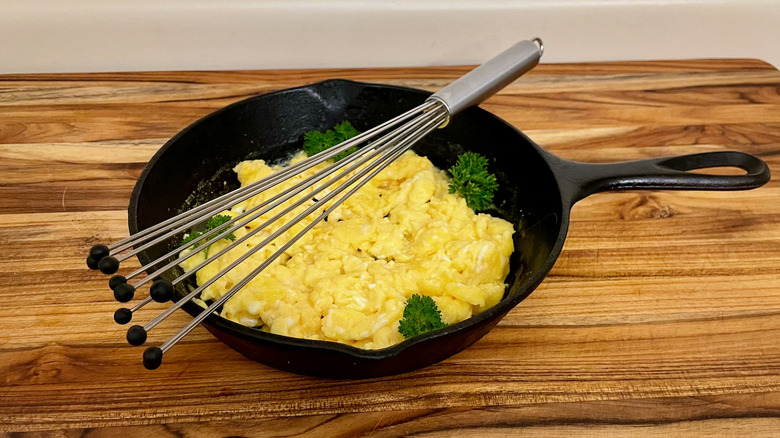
{"x": 124, "y": 292}
{"x": 152, "y": 358}
{"x": 136, "y": 335}
{"x": 161, "y": 291}
{"x": 123, "y": 316}
{"x": 92, "y": 263}
{"x": 108, "y": 265}
{"x": 116, "y": 280}
{"x": 99, "y": 251}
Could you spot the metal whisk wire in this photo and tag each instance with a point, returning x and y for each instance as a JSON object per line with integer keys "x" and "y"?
{"x": 378, "y": 148}
{"x": 376, "y": 167}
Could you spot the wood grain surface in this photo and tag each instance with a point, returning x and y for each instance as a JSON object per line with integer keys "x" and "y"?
{"x": 661, "y": 317}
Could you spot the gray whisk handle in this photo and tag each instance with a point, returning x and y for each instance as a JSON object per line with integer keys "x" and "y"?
{"x": 495, "y": 74}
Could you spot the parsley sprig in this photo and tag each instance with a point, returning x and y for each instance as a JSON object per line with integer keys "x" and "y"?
{"x": 471, "y": 180}
{"x": 420, "y": 315}
{"x": 316, "y": 141}
{"x": 212, "y": 223}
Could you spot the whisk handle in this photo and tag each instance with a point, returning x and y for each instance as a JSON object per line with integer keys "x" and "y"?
{"x": 495, "y": 74}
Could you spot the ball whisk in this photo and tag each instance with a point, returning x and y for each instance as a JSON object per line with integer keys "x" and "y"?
{"x": 317, "y": 195}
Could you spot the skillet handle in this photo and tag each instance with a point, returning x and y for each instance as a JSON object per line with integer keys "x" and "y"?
{"x": 670, "y": 173}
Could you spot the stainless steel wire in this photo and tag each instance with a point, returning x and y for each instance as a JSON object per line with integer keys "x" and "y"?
{"x": 414, "y": 136}
{"x": 374, "y": 168}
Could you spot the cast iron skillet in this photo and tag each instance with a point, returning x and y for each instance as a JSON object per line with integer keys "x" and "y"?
{"x": 537, "y": 190}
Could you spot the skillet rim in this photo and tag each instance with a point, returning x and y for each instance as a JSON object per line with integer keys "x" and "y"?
{"x": 255, "y": 335}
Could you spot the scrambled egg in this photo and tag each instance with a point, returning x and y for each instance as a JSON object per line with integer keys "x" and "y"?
{"x": 348, "y": 278}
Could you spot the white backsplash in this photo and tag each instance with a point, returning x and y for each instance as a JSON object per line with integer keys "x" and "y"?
{"x": 111, "y": 35}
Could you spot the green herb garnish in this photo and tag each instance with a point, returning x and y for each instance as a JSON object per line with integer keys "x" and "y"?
{"x": 212, "y": 223}
{"x": 316, "y": 141}
{"x": 420, "y": 315}
{"x": 471, "y": 180}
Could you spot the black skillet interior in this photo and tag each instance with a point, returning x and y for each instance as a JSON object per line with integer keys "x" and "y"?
{"x": 196, "y": 164}
{"x": 536, "y": 191}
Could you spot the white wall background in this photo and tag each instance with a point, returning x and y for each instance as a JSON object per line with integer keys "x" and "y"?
{"x": 131, "y": 35}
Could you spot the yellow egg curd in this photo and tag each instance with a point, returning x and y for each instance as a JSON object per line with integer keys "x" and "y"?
{"x": 348, "y": 278}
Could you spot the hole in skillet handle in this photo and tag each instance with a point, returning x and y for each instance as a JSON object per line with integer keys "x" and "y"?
{"x": 722, "y": 170}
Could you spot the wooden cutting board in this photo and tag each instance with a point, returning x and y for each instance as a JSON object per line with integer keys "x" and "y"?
{"x": 662, "y": 315}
